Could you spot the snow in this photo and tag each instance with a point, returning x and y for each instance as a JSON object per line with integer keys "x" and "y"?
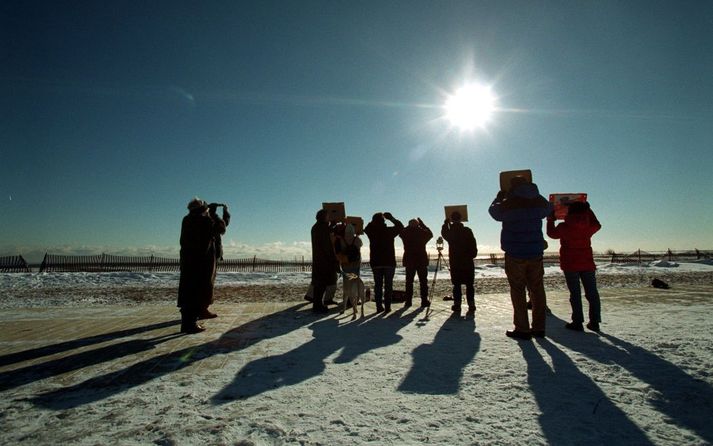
{"x": 286, "y": 376}
{"x": 123, "y": 279}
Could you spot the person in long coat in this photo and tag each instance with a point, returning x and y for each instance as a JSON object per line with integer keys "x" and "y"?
{"x": 324, "y": 262}
{"x": 577, "y": 261}
{"x": 195, "y": 288}
{"x": 462, "y": 249}
{"x": 415, "y": 259}
{"x": 220, "y": 225}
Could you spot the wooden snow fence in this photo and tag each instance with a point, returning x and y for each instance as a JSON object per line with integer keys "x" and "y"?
{"x": 112, "y": 263}
{"x": 108, "y": 263}
{"x": 13, "y": 264}
{"x": 640, "y": 256}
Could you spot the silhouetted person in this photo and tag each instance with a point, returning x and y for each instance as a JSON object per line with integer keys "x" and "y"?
{"x": 324, "y": 262}
{"x": 382, "y": 257}
{"x": 220, "y": 225}
{"x": 462, "y": 249}
{"x": 347, "y": 245}
{"x": 521, "y": 212}
{"x": 577, "y": 261}
{"x": 415, "y": 260}
{"x": 195, "y": 288}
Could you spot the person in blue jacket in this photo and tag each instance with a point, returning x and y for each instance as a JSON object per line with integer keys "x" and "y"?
{"x": 521, "y": 211}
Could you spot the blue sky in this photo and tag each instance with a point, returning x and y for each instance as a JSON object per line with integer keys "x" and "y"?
{"x": 113, "y": 116}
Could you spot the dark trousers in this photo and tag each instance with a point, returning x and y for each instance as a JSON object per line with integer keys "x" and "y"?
{"x": 422, "y": 272}
{"x": 189, "y": 315}
{"x": 589, "y": 280}
{"x": 320, "y": 282}
{"x": 383, "y": 285}
{"x": 463, "y": 276}
{"x": 318, "y": 290}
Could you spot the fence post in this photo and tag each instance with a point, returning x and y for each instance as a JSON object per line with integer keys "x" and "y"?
{"x": 44, "y": 262}
{"x": 639, "y": 257}
{"x": 254, "y": 262}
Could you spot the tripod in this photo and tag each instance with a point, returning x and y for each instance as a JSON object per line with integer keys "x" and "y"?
{"x": 439, "y": 248}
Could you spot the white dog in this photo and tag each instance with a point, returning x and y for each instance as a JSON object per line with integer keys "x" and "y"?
{"x": 354, "y": 292}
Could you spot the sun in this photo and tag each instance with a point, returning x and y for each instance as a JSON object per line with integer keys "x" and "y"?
{"x": 471, "y": 107}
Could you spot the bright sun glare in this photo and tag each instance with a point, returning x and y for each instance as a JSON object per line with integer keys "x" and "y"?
{"x": 470, "y": 107}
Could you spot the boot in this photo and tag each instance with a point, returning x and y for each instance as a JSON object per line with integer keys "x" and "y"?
{"x": 207, "y": 314}
{"x": 191, "y": 327}
{"x": 574, "y": 326}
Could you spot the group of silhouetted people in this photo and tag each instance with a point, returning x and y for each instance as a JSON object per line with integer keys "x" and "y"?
{"x": 521, "y": 210}
{"x": 336, "y": 249}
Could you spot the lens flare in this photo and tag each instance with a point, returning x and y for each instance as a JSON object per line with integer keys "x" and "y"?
{"x": 471, "y": 107}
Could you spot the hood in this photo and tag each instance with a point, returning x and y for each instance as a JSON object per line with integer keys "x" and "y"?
{"x": 526, "y": 190}
{"x": 581, "y": 219}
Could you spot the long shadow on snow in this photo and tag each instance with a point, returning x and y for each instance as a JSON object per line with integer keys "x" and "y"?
{"x": 307, "y": 360}
{"x": 26, "y": 375}
{"x": 685, "y": 400}
{"x": 59, "y": 347}
{"x": 236, "y": 339}
{"x": 438, "y": 367}
{"x": 574, "y": 409}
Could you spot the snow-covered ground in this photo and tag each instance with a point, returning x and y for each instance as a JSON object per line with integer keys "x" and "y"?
{"x": 272, "y": 374}
{"x": 287, "y": 377}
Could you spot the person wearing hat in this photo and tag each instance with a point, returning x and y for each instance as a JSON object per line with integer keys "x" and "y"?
{"x": 462, "y": 249}
{"x": 198, "y": 261}
{"x": 324, "y": 262}
{"x": 521, "y": 211}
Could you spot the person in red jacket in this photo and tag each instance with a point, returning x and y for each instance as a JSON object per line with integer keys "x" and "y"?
{"x": 577, "y": 261}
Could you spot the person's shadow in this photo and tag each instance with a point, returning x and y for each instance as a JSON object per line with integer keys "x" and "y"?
{"x": 574, "y": 409}
{"x": 686, "y": 401}
{"x": 112, "y": 383}
{"x": 36, "y": 372}
{"x": 307, "y": 361}
{"x": 438, "y": 367}
{"x": 60, "y": 347}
